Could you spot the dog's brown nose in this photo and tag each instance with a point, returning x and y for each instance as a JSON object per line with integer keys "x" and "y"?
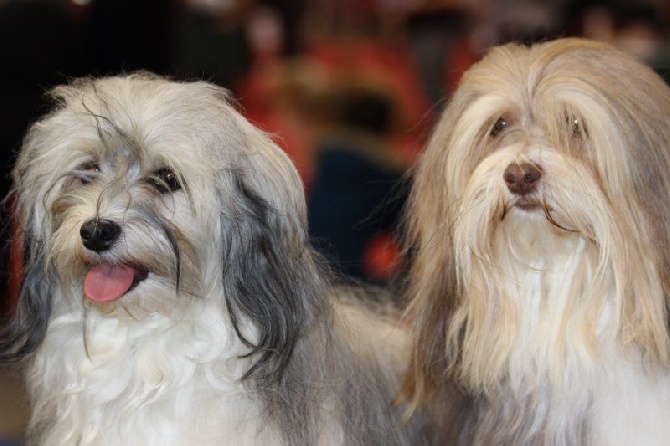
{"x": 522, "y": 178}
{"x": 99, "y": 235}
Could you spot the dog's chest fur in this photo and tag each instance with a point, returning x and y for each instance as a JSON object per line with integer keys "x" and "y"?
{"x": 158, "y": 382}
{"x": 554, "y": 389}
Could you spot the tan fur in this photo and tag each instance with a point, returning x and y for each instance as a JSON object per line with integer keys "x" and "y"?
{"x": 514, "y": 304}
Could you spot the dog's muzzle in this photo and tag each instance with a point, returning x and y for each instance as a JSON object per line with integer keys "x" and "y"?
{"x": 99, "y": 235}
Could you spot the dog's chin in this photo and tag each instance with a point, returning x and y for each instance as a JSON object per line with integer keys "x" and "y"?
{"x": 537, "y": 211}
{"x": 533, "y": 218}
{"x": 528, "y": 205}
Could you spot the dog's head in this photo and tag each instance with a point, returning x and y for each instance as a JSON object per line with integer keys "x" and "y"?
{"x": 553, "y": 157}
{"x": 138, "y": 194}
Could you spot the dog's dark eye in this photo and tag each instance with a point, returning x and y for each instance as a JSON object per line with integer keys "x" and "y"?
{"x": 91, "y": 167}
{"x": 499, "y": 126}
{"x": 577, "y": 127}
{"x": 87, "y": 171}
{"x": 165, "y": 180}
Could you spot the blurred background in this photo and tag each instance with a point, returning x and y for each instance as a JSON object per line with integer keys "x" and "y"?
{"x": 348, "y": 88}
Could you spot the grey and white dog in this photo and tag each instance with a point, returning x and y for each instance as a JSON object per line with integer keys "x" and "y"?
{"x": 170, "y": 295}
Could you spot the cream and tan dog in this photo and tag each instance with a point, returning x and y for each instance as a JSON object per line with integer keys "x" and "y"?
{"x": 540, "y": 220}
{"x": 170, "y": 295}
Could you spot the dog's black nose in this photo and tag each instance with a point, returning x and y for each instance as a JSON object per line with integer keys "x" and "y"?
{"x": 522, "y": 178}
{"x": 99, "y": 235}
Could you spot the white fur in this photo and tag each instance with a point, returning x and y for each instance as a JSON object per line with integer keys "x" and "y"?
{"x": 160, "y": 382}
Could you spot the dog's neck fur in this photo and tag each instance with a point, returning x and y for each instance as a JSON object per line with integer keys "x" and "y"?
{"x": 538, "y": 376}
{"x": 537, "y": 274}
{"x": 125, "y": 380}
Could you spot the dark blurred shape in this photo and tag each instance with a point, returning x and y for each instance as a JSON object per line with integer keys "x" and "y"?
{"x": 638, "y": 28}
{"x": 358, "y": 194}
{"x": 212, "y": 44}
{"x": 130, "y": 35}
{"x": 528, "y": 21}
{"x": 432, "y": 35}
{"x": 368, "y": 112}
{"x": 291, "y": 13}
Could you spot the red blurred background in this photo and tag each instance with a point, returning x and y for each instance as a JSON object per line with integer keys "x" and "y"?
{"x": 348, "y": 88}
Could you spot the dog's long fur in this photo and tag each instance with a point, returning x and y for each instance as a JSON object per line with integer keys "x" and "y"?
{"x": 236, "y": 335}
{"x": 549, "y": 324}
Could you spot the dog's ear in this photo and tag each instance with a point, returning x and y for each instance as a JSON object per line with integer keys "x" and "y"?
{"x": 27, "y": 327}
{"x": 271, "y": 277}
{"x": 435, "y": 297}
{"x": 432, "y": 282}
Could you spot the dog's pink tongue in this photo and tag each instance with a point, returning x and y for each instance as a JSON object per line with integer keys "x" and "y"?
{"x": 105, "y": 283}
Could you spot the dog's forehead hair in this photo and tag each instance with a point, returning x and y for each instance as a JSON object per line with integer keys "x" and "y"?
{"x": 119, "y": 150}
{"x": 136, "y": 132}
{"x": 129, "y": 154}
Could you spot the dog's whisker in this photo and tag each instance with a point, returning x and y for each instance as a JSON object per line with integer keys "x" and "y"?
{"x": 550, "y": 219}
{"x": 124, "y": 305}
{"x": 506, "y": 206}
{"x": 84, "y": 327}
{"x": 546, "y": 208}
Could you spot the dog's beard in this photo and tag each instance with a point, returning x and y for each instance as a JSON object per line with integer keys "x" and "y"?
{"x": 539, "y": 283}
